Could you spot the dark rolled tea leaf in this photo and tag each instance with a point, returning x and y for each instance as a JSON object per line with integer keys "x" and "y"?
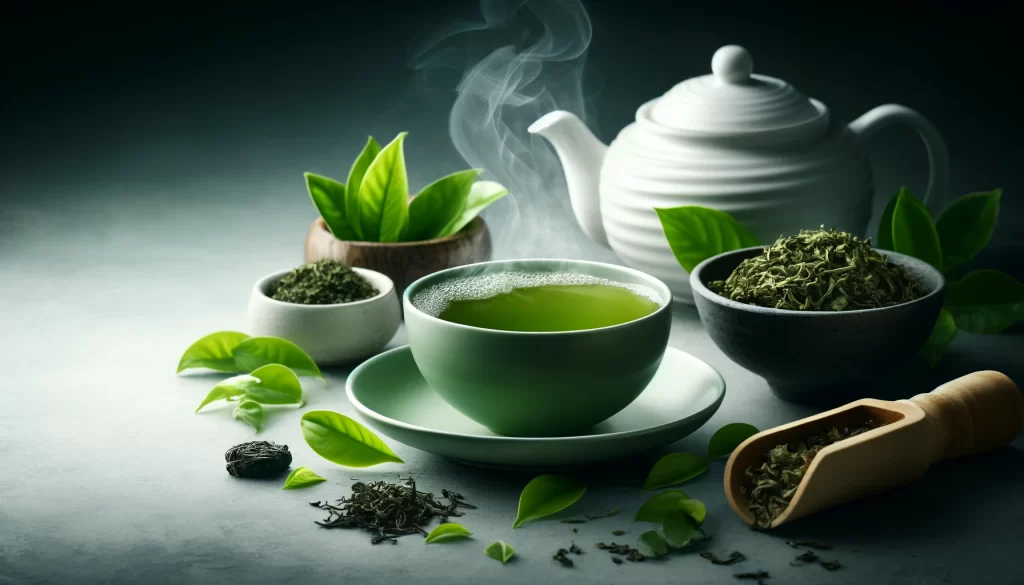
{"x": 258, "y": 459}
{"x": 735, "y": 557}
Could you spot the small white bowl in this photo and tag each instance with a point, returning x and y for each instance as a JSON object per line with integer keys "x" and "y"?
{"x": 330, "y": 334}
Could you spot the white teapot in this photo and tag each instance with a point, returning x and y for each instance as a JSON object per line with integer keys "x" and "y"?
{"x": 746, "y": 144}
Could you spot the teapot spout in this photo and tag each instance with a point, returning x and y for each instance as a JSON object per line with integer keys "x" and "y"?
{"x": 581, "y": 154}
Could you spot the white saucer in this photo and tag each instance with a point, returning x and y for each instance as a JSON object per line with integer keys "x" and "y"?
{"x": 393, "y": 398}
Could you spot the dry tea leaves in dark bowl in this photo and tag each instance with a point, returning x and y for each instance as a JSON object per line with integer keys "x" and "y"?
{"x": 819, "y": 270}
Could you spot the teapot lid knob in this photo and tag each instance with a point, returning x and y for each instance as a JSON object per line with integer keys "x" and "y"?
{"x": 732, "y": 64}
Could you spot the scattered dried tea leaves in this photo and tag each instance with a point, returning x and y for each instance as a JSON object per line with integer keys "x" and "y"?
{"x": 324, "y": 282}
{"x": 618, "y": 532}
{"x": 734, "y": 557}
{"x": 805, "y": 558}
{"x": 809, "y": 544}
{"x": 573, "y": 521}
{"x": 562, "y": 555}
{"x": 258, "y": 459}
{"x": 611, "y": 512}
{"x": 819, "y": 270}
{"x": 622, "y": 550}
{"x": 389, "y": 510}
{"x": 771, "y": 486}
{"x": 758, "y": 576}
{"x": 831, "y": 565}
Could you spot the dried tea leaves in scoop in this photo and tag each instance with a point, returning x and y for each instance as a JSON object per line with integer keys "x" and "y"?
{"x": 819, "y": 270}
{"x": 324, "y": 282}
{"x": 258, "y": 459}
{"x": 771, "y": 486}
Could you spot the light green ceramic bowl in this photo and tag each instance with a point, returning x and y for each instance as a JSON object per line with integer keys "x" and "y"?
{"x": 530, "y": 384}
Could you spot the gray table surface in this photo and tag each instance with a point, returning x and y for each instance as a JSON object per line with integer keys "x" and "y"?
{"x": 107, "y": 476}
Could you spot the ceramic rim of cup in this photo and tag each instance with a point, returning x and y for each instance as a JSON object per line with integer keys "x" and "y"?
{"x": 665, "y": 302}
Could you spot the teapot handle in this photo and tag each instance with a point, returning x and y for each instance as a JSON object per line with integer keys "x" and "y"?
{"x": 938, "y": 158}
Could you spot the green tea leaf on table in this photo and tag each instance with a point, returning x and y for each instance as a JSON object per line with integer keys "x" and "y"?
{"x": 500, "y": 551}
{"x": 256, "y": 352}
{"x": 985, "y": 301}
{"x": 652, "y": 544}
{"x": 546, "y": 495}
{"x": 661, "y": 505}
{"x": 481, "y": 195}
{"x": 697, "y": 233}
{"x": 328, "y": 197}
{"x": 384, "y": 195}
{"x": 438, "y": 205}
{"x": 941, "y": 336}
{"x": 276, "y": 385}
{"x": 355, "y": 181}
{"x": 301, "y": 478}
{"x": 727, "y": 438}
{"x": 252, "y": 414}
{"x": 447, "y": 531}
{"x": 678, "y": 529}
{"x": 913, "y": 232}
{"x": 339, "y": 439}
{"x": 965, "y": 227}
{"x": 214, "y": 352}
{"x": 231, "y": 388}
{"x": 883, "y": 241}
{"x": 675, "y": 468}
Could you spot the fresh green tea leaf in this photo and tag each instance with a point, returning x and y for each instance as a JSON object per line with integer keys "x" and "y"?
{"x": 965, "y": 227}
{"x": 661, "y": 505}
{"x": 913, "y": 232}
{"x": 697, "y": 233}
{"x": 277, "y": 385}
{"x": 546, "y": 495}
{"x": 384, "y": 195}
{"x": 500, "y": 551}
{"x": 727, "y": 438}
{"x": 231, "y": 388}
{"x": 355, "y": 181}
{"x": 985, "y": 301}
{"x": 438, "y": 205}
{"x": 675, "y": 468}
{"x": 301, "y": 478}
{"x": 328, "y": 196}
{"x": 941, "y": 336}
{"x": 341, "y": 440}
{"x": 214, "y": 352}
{"x": 652, "y": 544}
{"x": 883, "y": 241}
{"x": 678, "y": 529}
{"x": 447, "y": 531}
{"x": 256, "y": 352}
{"x": 252, "y": 414}
{"x": 481, "y": 195}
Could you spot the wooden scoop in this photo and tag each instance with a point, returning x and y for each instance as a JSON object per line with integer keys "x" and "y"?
{"x": 973, "y": 414}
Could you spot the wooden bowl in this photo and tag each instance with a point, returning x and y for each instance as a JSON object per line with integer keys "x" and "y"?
{"x": 402, "y": 262}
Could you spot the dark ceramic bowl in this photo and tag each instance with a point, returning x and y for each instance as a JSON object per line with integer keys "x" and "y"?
{"x": 818, "y": 357}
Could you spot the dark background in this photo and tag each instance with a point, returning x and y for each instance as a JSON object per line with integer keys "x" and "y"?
{"x": 173, "y": 92}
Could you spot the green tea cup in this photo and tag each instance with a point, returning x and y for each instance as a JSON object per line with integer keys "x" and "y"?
{"x": 537, "y": 384}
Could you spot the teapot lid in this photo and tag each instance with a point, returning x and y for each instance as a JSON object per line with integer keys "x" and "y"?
{"x": 732, "y": 100}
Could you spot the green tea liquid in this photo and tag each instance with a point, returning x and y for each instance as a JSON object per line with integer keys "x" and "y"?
{"x": 551, "y": 307}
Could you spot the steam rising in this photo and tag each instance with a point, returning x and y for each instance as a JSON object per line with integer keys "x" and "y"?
{"x": 533, "y": 53}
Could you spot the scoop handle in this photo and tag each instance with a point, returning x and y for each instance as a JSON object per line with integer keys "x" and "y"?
{"x": 973, "y": 414}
